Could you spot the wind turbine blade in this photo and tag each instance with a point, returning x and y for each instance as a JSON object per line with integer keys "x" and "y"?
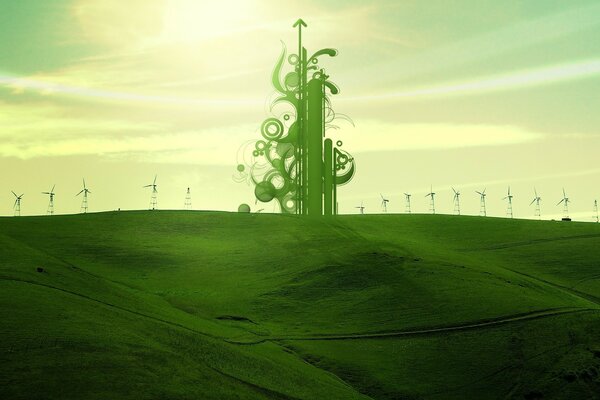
{"x": 84, "y": 183}
{"x": 14, "y": 193}
{"x": 532, "y": 201}
{"x": 484, "y": 189}
{"x": 155, "y": 176}
{"x": 560, "y": 201}
{"x": 79, "y": 193}
{"x": 53, "y": 186}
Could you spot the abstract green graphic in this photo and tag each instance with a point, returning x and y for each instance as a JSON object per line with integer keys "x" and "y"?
{"x": 296, "y": 163}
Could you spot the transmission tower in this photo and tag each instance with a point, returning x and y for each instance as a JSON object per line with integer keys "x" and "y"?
{"x": 509, "y": 207}
{"x": 482, "y": 208}
{"x": 84, "y": 201}
{"x": 565, "y": 201}
{"x": 407, "y": 197}
{"x": 153, "y": 196}
{"x": 51, "y": 194}
{"x": 17, "y": 205}
{"x": 536, "y": 200}
{"x": 456, "y": 201}
{"x": 188, "y": 200}
{"x": 432, "y": 202}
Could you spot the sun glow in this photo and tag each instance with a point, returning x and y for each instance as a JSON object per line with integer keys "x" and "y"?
{"x": 193, "y": 20}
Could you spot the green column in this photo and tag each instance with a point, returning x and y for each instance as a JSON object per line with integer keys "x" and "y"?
{"x": 314, "y": 147}
{"x": 328, "y": 177}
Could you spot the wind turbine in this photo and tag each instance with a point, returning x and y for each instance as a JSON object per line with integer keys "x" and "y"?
{"x": 536, "y": 200}
{"x": 565, "y": 200}
{"x": 84, "y": 201}
{"x": 509, "y": 208}
{"x": 51, "y": 193}
{"x": 407, "y": 197}
{"x": 361, "y": 208}
{"x": 482, "y": 208}
{"x": 17, "y": 205}
{"x": 456, "y": 201}
{"x": 188, "y": 200}
{"x": 432, "y": 203}
{"x": 384, "y": 202}
{"x": 596, "y": 211}
{"x": 153, "y": 201}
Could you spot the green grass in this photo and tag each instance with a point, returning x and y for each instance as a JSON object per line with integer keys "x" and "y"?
{"x": 216, "y": 305}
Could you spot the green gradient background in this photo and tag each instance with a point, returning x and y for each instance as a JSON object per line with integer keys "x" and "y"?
{"x": 119, "y": 92}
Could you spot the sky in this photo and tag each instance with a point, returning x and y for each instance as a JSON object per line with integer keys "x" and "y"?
{"x": 465, "y": 94}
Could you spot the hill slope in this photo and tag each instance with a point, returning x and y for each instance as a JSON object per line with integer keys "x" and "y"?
{"x": 215, "y": 305}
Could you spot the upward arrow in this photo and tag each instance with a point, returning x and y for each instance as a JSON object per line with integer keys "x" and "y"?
{"x": 300, "y": 22}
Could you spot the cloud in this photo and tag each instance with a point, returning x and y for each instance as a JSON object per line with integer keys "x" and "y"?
{"x": 373, "y": 135}
{"x": 47, "y": 134}
{"x": 510, "y": 81}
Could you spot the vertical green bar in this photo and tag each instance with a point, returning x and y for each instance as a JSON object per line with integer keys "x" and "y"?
{"x": 315, "y": 147}
{"x": 334, "y": 170}
{"x": 328, "y": 177}
{"x": 303, "y": 131}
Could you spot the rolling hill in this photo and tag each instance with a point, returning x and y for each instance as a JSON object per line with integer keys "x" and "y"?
{"x": 212, "y": 305}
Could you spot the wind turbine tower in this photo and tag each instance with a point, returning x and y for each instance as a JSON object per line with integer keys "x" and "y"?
{"x": 565, "y": 200}
{"x": 17, "y": 205}
{"x": 482, "y": 208}
{"x": 153, "y": 200}
{"x": 384, "y": 202}
{"x": 536, "y": 200}
{"x": 456, "y": 201}
{"x": 188, "y": 200}
{"x": 509, "y": 207}
{"x": 596, "y": 211}
{"x": 51, "y": 193}
{"x": 407, "y": 197}
{"x": 361, "y": 208}
{"x": 432, "y": 202}
{"x": 84, "y": 201}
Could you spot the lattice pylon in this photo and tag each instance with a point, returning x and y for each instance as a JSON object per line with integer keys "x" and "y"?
{"x": 50, "y": 210}
{"x": 84, "y": 203}
{"x": 188, "y": 200}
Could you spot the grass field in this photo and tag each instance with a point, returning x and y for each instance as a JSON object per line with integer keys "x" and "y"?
{"x": 210, "y": 305}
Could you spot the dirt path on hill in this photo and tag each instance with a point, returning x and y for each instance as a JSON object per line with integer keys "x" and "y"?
{"x": 551, "y": 312}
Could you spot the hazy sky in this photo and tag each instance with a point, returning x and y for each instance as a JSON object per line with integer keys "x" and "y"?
{"x": 469, "y": 94}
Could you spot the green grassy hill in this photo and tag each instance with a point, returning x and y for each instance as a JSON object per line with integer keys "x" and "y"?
{"x": 198, "y": 305}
